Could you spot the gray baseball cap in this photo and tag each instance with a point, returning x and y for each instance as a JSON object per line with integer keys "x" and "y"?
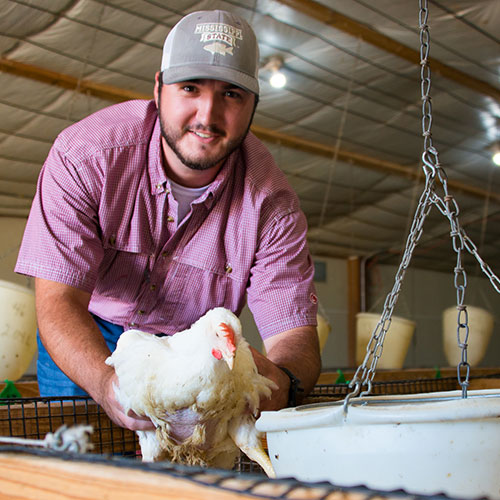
{"x": 212, "y": 44}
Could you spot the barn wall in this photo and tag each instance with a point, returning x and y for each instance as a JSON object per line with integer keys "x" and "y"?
{"x": 423, "y": 298}
{"x": 333, "y": 306}
{"x": 11, "y": 231}
{"x": 424, "y": 295}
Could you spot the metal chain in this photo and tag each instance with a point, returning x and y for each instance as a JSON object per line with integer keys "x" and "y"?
{"x": 448, "y": 206}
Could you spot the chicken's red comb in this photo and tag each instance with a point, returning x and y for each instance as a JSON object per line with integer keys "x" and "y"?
{"x": 229, "y": 334}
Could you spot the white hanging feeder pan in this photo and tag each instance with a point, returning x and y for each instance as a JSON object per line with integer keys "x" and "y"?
{"x": 395, "y": 345}
{"x": 481, "y": 327}
{"x": 425, "y": 444}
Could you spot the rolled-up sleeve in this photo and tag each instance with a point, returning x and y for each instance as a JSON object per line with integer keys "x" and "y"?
{"x": 281, "y": 294}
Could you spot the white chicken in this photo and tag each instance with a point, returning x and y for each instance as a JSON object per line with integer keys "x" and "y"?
{"x": 205, "y": 374}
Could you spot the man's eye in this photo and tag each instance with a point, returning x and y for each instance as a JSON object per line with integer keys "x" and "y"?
{"x": 232, "y": 94}
{"x": 188, "y": 88}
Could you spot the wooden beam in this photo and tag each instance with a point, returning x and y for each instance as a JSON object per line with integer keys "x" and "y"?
{"x": 100, "y": 90}
{"x": 343, "y": 23}
{"x": 320, "y": 149}
{"x": 327, "y": 151}
{"x": 480, "y": 378}
{"x": 117, "y": 94}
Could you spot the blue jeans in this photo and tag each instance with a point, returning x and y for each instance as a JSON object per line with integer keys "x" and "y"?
{"x": 52, "y": 381}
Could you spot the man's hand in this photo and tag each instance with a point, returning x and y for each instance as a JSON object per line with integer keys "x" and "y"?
{"x": 298, "y": 351}
{"x": 279, "y": 397}
{"x": 115, "y": 411}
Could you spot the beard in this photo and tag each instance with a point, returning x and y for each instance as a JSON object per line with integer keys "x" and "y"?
{"x": 173, "y": 138}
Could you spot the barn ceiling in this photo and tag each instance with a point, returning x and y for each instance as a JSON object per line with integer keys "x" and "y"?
{"x": 346, "y": 129}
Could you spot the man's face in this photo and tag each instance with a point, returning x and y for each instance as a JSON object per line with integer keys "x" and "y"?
{"x": 203, "y": 121}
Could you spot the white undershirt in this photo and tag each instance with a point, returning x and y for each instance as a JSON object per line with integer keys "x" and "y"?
{"x": 184, "y": 196}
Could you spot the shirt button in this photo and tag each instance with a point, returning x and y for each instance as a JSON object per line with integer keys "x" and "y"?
{"x": 152, "y": 288}
{"x": 164, "y": 254}
{"x": 132, "y": 324}
{"x": 170, "y": 219}
{"x": 112, "y": 240}
{"x": 140, "y": 312}
{"x": 228, "y": 268}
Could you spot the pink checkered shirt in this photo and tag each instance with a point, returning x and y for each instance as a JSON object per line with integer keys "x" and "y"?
{"x": 104, "y": 221}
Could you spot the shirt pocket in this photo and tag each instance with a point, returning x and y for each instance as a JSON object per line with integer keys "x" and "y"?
{"x": 123, "y": 270}
{"x": 196, "y": 288}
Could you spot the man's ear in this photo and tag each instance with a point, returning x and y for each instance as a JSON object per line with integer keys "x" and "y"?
{"x": 156, "y": 90}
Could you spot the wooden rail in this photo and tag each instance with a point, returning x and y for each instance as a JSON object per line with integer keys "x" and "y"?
{"x": 330, "y": 376}
{"x": 45, "y": 478}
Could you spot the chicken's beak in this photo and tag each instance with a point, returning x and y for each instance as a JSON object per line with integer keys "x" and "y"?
{"x": 226, "y": 355}
{"x": 229, "y": 359}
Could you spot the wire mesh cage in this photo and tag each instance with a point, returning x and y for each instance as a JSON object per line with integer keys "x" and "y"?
{"x": 332, "y": 392}
{"x": 35, "y": 417}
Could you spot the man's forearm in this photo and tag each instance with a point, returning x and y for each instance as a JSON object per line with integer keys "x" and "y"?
{"x": 298, "y": 351}
{"x": 75, "y": 343}
{"x": 71, "y": 336}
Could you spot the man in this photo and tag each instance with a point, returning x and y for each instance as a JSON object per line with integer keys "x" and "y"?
{"x": 148, "y": 214}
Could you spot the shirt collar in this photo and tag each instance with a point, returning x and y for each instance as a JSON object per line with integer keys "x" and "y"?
{"x": 216, "y": 188}
{"x": 157, "y": 177}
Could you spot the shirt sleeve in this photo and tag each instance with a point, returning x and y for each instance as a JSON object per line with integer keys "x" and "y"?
{"x": 281, "y": 294}
{"x": 61, "y": 242}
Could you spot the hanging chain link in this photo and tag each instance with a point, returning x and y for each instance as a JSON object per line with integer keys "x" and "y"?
{"x": 448, "y": 206}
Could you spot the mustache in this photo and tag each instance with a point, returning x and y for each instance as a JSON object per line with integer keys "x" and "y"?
{"x": 198, "y": 127}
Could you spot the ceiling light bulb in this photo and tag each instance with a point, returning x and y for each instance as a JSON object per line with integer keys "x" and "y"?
{"x": 278, "y": 80}
{"x": 496, "y": 158}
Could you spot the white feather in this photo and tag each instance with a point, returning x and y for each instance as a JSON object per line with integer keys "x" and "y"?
{"x": 159, "y": 376}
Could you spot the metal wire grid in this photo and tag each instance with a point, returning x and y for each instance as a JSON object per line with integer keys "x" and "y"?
{"x": 33, "y": 418}
{"x": 332, "y": 392}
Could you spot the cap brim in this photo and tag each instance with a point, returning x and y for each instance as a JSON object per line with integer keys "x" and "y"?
{"x": 202, "y": 71}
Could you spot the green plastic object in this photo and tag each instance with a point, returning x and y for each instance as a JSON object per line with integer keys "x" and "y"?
{"x": 10, "y": 390}
{"x": 438, "y": 372}
{"x": 341, "y": 378}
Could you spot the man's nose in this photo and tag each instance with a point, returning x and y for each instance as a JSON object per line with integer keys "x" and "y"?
{"x": 209, "y": 107}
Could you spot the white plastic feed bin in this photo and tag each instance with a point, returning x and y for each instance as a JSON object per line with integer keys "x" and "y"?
{"x": 17, "y": 330}
{"x": 425, "y": 444}
{"x": 396, "y": 343}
